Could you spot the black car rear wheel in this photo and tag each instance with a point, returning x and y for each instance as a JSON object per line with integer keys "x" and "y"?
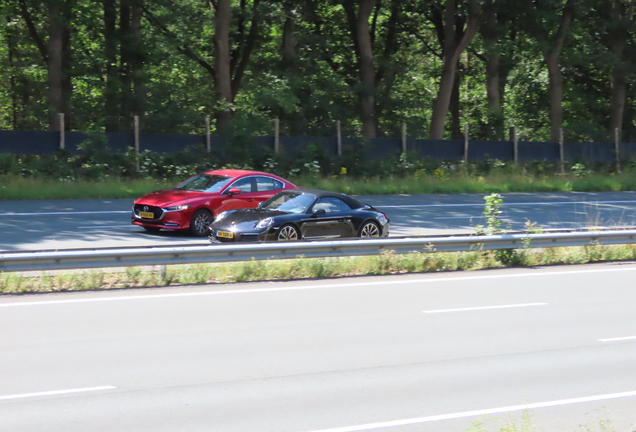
{"x": 201, "y": 220}
{"x": 288, "y": 233}
{"x": 369, "y": 229}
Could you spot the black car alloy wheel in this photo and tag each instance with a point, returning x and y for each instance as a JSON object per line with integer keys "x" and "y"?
{"x": 288, "y": 233}
{"x": 369, "y": 229}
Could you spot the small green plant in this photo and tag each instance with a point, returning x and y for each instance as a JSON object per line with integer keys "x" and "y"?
{"x": 492, "y": 211}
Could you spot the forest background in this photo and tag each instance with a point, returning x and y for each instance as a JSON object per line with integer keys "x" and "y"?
{"x": 373, "y": 65}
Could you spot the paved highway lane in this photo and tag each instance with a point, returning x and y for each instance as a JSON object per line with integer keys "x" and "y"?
{"x": 39, "y": 225}
{"x": 399, "y": 354}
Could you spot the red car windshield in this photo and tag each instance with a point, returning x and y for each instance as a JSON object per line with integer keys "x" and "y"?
{"x": 205, "y": 183}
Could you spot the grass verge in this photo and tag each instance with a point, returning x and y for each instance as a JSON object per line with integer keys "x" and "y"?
{"x": 386, "y": 263}
{"x": 31, "y": 188}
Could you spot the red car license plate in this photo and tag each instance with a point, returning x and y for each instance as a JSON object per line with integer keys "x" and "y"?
{"x": 147, "y": 215}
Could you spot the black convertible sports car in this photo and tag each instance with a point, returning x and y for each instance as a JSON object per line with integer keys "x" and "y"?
{"x": 296, "y": 214}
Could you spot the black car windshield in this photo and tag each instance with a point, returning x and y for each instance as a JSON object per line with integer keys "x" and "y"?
{"x": 290, "y": 202}
{"x": 205, "y": 183}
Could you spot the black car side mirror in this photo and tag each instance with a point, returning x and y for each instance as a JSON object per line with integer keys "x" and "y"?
{"x": 318, "y": 212}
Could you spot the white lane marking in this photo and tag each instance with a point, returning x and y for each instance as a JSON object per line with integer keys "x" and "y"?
{"x": 618, "y": 339}
{"x": 311, "y": 287}
{"x": 57, "y": 392}
{"x": 477, "y": 413}
{"x": 460, "y": 217}
{"x": 508, "y": 204}
{"x": 65, "y": 213}
{"x": 110, "y": 226}
{"x": 484, "y": 308}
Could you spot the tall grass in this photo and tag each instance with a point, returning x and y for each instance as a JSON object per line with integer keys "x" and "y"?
{"x": 29, "y": 188}
{"x": 383, "y": 264}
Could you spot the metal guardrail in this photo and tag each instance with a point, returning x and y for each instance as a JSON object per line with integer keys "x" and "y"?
{"x": 96, "y": 258}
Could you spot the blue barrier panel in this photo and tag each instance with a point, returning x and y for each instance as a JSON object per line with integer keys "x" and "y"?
{"x": 383, "y": 147}
{"x": 265, "y": 142}
{"x": 627, "y": 151}
{"x": 169, "y": 143}
{"x": 480, "y": 150}
{"x": 120, "y": 141}
{"x": 539, "y": 151}
{"x": 597, "y": 152}
{"x": 437, "y": 149}
{"x": 29, "y": 142}
{"x": 295, "y": 145}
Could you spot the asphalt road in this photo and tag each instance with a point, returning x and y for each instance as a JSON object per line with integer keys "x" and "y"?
{"x": 408, "y": 353}
{"x": 50, "y": 225}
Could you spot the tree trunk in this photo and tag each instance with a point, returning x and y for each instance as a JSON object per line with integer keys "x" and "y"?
{"x": 367, "y": 70}
{"x": 619, "y": 93}
{"x": 452, "y": 49}
{"x": 555, "y": 83}
{"x": 110, "y": 54}
{"x": 55, "y": 48}
{"x": 455, "y": 109}
{"x": 289, "y": 65}
{"x": 137, "y": 63}
{"x": 223, "y": 78}
{"x": 125, "y": 78}
{"x": 618, "y": 35}
{"x": 551, "y": 54}
{"x": 488, "y": 31}
{"x": 67, "y": 64}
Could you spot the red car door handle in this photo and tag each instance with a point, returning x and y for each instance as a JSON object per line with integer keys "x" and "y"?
{"x": 250, "y": 200}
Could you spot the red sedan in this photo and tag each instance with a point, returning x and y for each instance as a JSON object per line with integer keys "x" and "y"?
{"x": 193, "y": 204}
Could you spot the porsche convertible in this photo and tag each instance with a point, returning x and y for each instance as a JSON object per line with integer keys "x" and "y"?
{"x": 297, "y": 214}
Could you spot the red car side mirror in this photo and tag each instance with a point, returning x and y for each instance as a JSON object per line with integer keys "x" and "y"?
{"x": 234, "y": 191}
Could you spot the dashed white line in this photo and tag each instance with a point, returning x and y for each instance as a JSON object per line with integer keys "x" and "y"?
{"x": 618, "y": 339}
{"x": 57, "y": 392}
{"x": 484, "y": 308}
{"x": 477, "y": 413}
{"x": 508, "y": 204}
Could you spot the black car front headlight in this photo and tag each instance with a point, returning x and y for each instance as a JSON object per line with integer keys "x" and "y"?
{"x": 265, "y": 223}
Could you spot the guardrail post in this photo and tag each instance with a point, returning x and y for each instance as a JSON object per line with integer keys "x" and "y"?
{"x": 465, "y": 143}
{"x": 62, "y": 131}
{"x": 339, "y": 137}
{"x": 276, "y": 136}
{"x": 617, "y": 146}
{"x": 208, "y": 141}
{"x": 403, "y": 137}
{"x": 137, "y": 146}
{"x": 561, "y": 151}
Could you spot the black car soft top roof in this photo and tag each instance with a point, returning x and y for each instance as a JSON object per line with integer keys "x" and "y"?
{"x": 352, "y": 202}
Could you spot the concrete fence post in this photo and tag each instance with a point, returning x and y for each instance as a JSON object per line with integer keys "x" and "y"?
{"x": 466, "y": 143}
{"x": 62, "y": 131}
{"x": 339, "y": 137}
{"x": 276, "y": 135}
{"x": 561, "y": 151}
{"x": 403, "y": 137}
{"x": 137, "y": 145}
{"x": 617, "y": 149}
{"x": 208, "y": 141}
{"x": 515, "y": 144}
